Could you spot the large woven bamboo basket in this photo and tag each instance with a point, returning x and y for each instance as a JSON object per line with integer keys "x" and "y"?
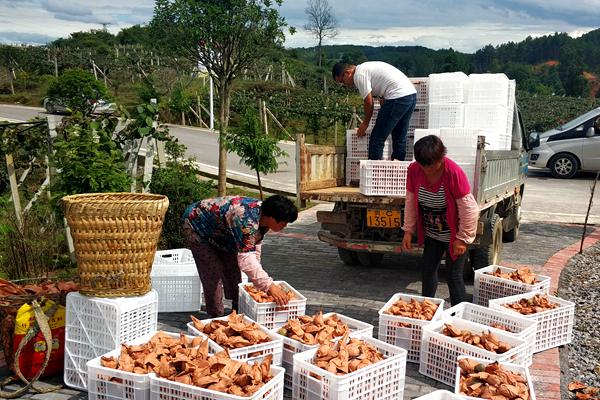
{"x": 115, "y": 236}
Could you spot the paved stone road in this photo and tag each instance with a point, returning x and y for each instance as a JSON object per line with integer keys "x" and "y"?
{"x": 298, "y": 257}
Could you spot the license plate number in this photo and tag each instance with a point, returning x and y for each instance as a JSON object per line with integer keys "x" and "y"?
{"x": 383, "y": 218}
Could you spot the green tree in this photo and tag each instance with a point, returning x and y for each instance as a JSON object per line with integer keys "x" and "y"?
{"x": 78, "y": 88}
{"x": 226, "y": 36}
{"x": 255, "y": 149}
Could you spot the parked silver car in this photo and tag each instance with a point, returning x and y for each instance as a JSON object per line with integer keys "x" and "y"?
{"x": 572, "y": 147}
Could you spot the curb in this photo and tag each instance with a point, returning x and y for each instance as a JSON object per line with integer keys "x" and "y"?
{"x": 545, "y": 370}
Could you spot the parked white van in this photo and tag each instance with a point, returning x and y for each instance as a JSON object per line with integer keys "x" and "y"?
{"x": 572, "y": 147}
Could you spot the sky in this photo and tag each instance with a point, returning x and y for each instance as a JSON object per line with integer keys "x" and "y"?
{"x": 464, "y": 25}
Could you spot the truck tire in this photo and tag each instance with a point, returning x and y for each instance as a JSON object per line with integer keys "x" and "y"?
{"x": 348, "y": 257}
{"x": 489, "y": 254}
{"x": 370, "y": 260}
{"x": 512, "y": 235}
{"x": 564, "y": 166}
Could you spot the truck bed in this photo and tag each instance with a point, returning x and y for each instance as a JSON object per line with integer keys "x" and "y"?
{"x": 349, "y": 194}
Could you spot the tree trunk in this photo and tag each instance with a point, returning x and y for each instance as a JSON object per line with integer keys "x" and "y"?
{"x": 224, "y": 93}
{"x": 10, "y": 77}
{"x": 259, "y": 185}
{"x": 319, "y": 51}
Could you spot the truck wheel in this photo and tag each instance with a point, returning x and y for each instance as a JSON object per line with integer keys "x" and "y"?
{"x": 489, "y": 254}
{"x": 513, "y": 234}
{"x": 370, "y": 260}
{"x": 564, "y": 166}
{"x": 348, "y": 257}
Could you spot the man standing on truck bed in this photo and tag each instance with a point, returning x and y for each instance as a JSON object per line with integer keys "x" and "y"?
{"x": 379, "y": 79}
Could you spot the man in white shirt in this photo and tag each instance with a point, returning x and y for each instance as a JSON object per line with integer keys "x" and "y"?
{"x": 379, "y": 79}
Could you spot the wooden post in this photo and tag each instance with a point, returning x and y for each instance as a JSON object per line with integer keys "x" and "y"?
{"x": 10, "y": 77}
{"x": 148, "y": 164}
{"x": 198, "y": 110}
{"x": 299, "y": 145}
{"x": 266, "y": 121}
{"x": 14, "y": 188}
{"x": 182, "y": 118}
{"x": 55, "y": 66}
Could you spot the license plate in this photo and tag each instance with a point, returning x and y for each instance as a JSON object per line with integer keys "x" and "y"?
{"x": 383, "y": 218}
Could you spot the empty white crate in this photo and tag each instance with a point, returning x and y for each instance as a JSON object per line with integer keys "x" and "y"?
{"x": 487, "y": 287}
{"x": 440, "y": 352}
{"x": 175, "y": 278}
{"x": 447, "y": 87}
{"x": 164, "y": 389}
{"x": 291, "y": 346}
{"x": 446, "y": 115}
{"x": 352, "y": 170}
{"x": 518, "y": 326}
{"x": 112, "y": 384}
{"x": 382, "y": 380}
{"x": 422, "y": 87}
{"x": 419, "y": 118}
{"x": 402, "y": 331}
{"x": 383, "y": 178}
{"x": 470, "y": 171}
{"x": 492, "y": 119}
{"x": 523, "y": 371}
{"x": 270, "y": 315}
{"x": 440, "y": 395}
{"x": 421, "y": 133}
{"x": 97, "y": 325}
{"x": 248, "y": 354}
{"x": 358, "y": 147}
{"x": 487, "y": 89}
{"x": 554, "y": 327}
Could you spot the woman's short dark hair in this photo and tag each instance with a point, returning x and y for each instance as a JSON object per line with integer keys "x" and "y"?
{"x": 429, "y": 150}
{"x": 279, "y": 208}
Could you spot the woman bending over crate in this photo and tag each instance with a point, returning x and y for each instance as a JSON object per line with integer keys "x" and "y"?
{"x": 441, "y": 209}
{"x": 225, "y": 235}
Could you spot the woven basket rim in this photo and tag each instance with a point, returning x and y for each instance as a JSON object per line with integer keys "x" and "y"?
{"x": 115, "y": 197}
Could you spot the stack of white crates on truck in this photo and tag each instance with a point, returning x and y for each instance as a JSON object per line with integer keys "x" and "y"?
{"x": 96, "y": 325}
{"x": 488, "y": 98}
{"x": 464, "y": 107}
{"x": 420, "y": 115}
{"x": 175, "y": 278}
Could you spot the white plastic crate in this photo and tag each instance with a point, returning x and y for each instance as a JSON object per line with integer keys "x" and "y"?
{"x": 487, "y": 89}
{"x": 440, "y": 395}
{"x": 554, "y": 327}
{"x": 358, "y": 147}
{"x": 352, "y": 170}
{"x": 248, "y": 354}
{"x": 382, "y": 380}
{"x": 440, "y": 352}
{"x": 175, "y": 278}
{"x": 419, "y": 118}
{"x": 97, "y": 325}
{"x": 422, "y": 87}
{"x": 291, "y": 346}
{"x": 421, "y": 133}
{"x": 270, "y": 315}
{"x": 383, "y": 178}
{"x": 523, "y": 371}
{"x": 164, "y": 389}
{"x": 469, "y": 169}
{"x": 444, "y": 115}
{"x": 112, "y": 384}
{"x": 447, "y": 87}
{"x": 488, "y": 117}
{"x": 487, "y": 287}
{"x": 393, "y": 329}
{"x": 519, "y": 326}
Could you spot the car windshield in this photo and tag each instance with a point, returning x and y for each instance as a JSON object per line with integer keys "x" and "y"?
{"x": 579, "y": 120}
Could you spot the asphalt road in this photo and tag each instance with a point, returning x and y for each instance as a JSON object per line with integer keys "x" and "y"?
{"x": 546, "y": 199}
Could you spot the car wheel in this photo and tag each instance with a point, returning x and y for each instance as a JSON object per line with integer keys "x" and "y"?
{"x": 564, "y": 166}
{"x": 49, "y": 108}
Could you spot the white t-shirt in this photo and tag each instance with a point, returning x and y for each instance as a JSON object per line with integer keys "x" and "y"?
{"x": 382, "y": 80}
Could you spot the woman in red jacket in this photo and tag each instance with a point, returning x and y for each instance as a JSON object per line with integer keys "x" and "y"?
{"x": 442, "y": 211}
